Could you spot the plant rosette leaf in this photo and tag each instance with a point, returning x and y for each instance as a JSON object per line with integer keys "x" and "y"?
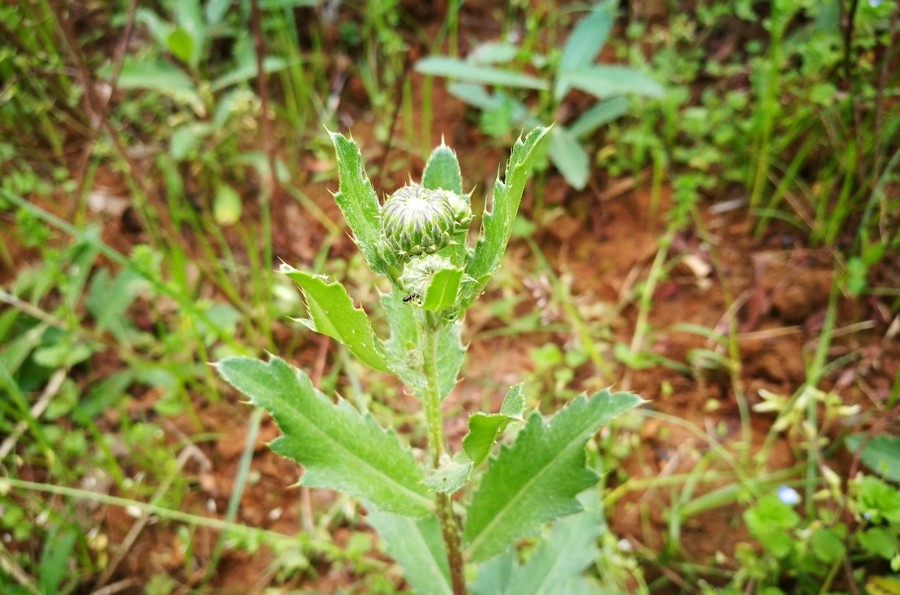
{"x": 537, "y": 478}
{"x": 332, "y": 313}
{"x": 338, "y": 447}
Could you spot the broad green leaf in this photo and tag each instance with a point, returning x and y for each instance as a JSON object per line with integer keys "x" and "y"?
{"x": 189, "y": 16}
{"x": 485, "y": 428}
{"x": 498, "y": 221}
{"x": 607, "y": 81}
{"x": 569, "y": 157}
{"x": 338, "y": 447}
{"x": 584, "y": 43}
{"x": 418, "y": 548}
{"x": 442, "y": 170}
{"x": 402, "y": 349}
{"x": 597, "y": 115}
{"x": 459, "y": 69}
{"x": 881, "y": 454}
{"x": 332, "y": 313}
{"x": 180, "y": 44}
{"x": 537, "y": 478}
{"x": 569, "y": 547}
{"x": 443, "y": 289}
{"x": 358, "y": 202}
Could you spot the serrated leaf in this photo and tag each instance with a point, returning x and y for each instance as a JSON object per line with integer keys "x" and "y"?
{"x": 418, "y": 548}
{"x": 459, "y": 69}
{"x": 880, "y": 453}
{"x": 333, "y": 314}
{"x": 402, "y": 349}
{"x": 485, "y": 428}
{"x": 536, "y": 479}
{"x": 358, "y": 202}
{"x": 442, "y": 170}
{"x": 584, "y": 43}
{"x": 442, "y": 289}
{"x": 569, "y": 157}
{"x": 498, "y": 221}
{"x": 338, "y": 447}
{"x": 569, "y": 547}
{"x": 607, "y": 81}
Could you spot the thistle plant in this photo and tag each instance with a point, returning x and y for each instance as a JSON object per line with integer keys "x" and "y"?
{"x": 423, "y": 509}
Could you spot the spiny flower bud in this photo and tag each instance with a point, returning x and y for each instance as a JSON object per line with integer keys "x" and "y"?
{"x": 417, "y": 221}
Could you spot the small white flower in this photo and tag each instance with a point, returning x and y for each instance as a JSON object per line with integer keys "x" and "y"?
{"x": 788, "y": 495}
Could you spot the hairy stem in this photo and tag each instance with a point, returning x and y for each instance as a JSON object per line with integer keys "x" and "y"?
{"x": 427, "y": 326}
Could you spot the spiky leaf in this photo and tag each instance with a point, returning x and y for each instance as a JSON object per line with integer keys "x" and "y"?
{"x": 498, "y": 221}
{"x": 484, "y": 428}
{"x": 419, "y": 549}
{"x": 332, "y": 313}
{"x": 442, "y": 170}
{"x": 537, "y": 478}
{"x": 338, "y": 447}
{"x": 358, "y": 202}
{"x": 569, "y": 547}
{"x": 403, "y": 354}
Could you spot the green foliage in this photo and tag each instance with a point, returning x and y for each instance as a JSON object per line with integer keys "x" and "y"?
{"x": 338, "y": 447}
{"x": 537, "y": 478}
{"x": 574, "y": 68}
{"x": 332, "y": 313}
{"x": 531, "y": 482}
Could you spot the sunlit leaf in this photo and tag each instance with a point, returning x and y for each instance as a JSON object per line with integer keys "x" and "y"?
{"x": 537, "y": 478}
{"x": 338, "y": 447}
{"x": 332, "y": 313}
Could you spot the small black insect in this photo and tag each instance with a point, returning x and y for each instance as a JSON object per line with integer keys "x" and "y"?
{"x": 412, "y": 297}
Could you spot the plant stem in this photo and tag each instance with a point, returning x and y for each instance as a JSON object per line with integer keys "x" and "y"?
{"x": 427, "y": 326}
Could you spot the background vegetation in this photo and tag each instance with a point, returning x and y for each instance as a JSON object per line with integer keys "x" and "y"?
{"x": 715, "y": 226}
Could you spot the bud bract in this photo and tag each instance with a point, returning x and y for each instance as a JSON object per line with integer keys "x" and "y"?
{"x": 416, "y": 220}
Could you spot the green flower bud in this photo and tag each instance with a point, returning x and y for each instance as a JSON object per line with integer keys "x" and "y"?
{"x": 415, "y": 221}
{"x": 418, "y": 272}
{"x": 462, "y": 210}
